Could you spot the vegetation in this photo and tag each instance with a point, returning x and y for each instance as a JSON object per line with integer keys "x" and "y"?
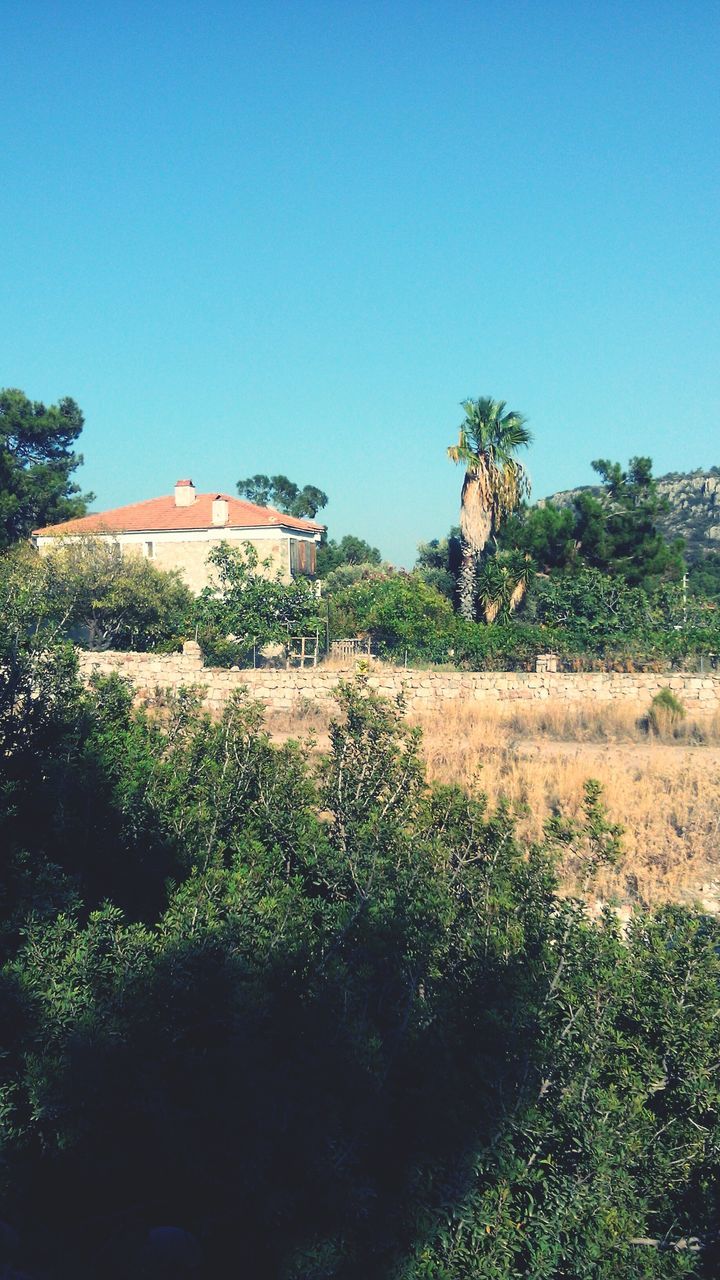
{"x": 494, "y": 481}
{"x": 614, "y": 530}
{"x": 688, "y": 510}
{"x": 589, "y": 619}
{"x": 113, "y": 600}
{"x": 284, "y": 495}
{"x": 250, "y": 606}
{"x": 438, "y": 563}
{"x": 399, "y": 611}
{"x": 88, "y": 591}
{"x": 704, "y": 578}
{"x": 595, "y": 583}
{"x": 36, "y": 465}
{"x": 666, "y": 712}
{"x": 348, "y": 551}
{"x": 326, "y": 1021}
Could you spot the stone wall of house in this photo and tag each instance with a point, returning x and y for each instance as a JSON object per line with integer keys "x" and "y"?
{"x": 284, "y": 690}
{"x": 189, "y": 555}
{"x": 191, "y": 558}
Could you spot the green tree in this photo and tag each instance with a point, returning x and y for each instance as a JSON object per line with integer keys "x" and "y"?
{"x": 400, "y": 612}
{"x": 617, "y": 531}
{"x": 36, "y": 465}
{"x": 546, "y": 533}
{"x": 502, "y": 583}
{"x": 110, "y": 599}
{"x": 590, "y": 604}
{"x": 438, "y": 563}
{"x": 349, "y": 550}
{"x": 704, "y": 577}
{"x": 250, "y": 604}
{"x": 284, "y": 495}
{"x": 334, "y": 1021}
{"x": 494, "y": 481}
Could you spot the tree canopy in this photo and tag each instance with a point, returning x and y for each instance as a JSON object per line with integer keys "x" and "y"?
{"x": 251, "y": 604}
{"x": 618, "y": 531}
{"x": 613, "y": 529}
{"x": 36, "y": 464}
{"x": 349, "y": 550}
{"x": 313, "y": 1017}
{"x": 109, "y": 599}
{"x": 284, "y": 495}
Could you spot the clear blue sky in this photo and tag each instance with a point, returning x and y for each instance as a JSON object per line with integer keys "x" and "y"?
{"x": 293, "y": 236}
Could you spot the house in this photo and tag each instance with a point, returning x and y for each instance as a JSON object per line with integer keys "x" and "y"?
{"x": 178, "y": 531}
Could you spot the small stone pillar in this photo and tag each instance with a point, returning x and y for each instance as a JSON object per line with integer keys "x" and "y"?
{"x": 193, "y": 653}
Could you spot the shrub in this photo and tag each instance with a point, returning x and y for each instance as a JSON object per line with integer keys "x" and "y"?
{"x": 401, "y": 613}
{"x": 666, "y": 713}
{"x": 250, "y": 606}
{"x": 107, "y": 599}
{"x": 511, "y": 646}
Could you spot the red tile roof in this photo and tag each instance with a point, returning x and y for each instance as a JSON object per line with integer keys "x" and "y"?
{"x": 160, "y": 514}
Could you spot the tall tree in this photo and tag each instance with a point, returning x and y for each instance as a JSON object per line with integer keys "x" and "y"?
{"x": 284, "y": 494}
{"x": 349, "y": 550}
{"x": 36, "y": 463}
{"x": 617, "y": 531}
{"x": 494, "y": 481}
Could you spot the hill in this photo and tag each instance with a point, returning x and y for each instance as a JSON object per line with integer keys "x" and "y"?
{"x": 694, "y": 508}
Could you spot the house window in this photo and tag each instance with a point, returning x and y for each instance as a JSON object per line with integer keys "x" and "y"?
{"x": 150, "y": 550}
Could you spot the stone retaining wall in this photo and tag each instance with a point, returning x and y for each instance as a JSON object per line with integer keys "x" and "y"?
{"x": 282, "y": 690}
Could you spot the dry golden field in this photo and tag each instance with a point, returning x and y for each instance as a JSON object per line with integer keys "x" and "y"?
{"x": 663, "y": 788}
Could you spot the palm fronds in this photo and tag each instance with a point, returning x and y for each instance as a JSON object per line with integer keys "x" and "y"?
{"x": 495, "y": 481}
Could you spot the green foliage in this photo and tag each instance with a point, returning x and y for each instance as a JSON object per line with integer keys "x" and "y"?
{"x": 589, "y": 603}
{"x": 346, "y": 575}
{"x": 618, "y": 531}
{"x": 332, "y": 555}
{"x": 546, "y": 533}
{"x": 588, "y": 618}
{"x": 284, "y": 495}
{"x": 600, "y": 615}
{"x": 508, "y": 646}
{"x": 334, "y": 1022}
{"x": 502, "y": 582}
{"x": 666, "y": 712}
{"x": 250, "y": 605}
{"x": 603, "y": 555}
{"x": 36, "y": 463}
{"x": 108, "y": 599}
{"x": 438, "y": 563}
{"x": 400, "y": 612}
{"x": 614, "y": 531}
{"x": 704, "y": 578}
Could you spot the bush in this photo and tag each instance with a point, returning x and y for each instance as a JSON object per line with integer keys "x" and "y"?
{"x": 401, "y": 613}
{"x": 666, "y": 713}
{"x": 250, "y": 606}
{"x": 106, "y": 598}
{"x": 332, "y": 1021}
{"x": 511, "y": 646}
{"x": 346, "y": 575}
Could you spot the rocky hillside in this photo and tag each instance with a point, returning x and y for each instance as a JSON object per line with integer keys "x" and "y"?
{"x": 694, "y": 512}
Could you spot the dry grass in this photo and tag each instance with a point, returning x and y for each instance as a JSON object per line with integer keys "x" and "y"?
{"x": 665, "y": 790}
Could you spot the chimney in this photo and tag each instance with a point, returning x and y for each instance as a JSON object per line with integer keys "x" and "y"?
{"x": 220, "y": 510}
{"x": 184, "y": 493}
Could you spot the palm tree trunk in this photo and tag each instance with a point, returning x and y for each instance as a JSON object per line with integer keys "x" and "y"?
{"x": 468, "y": 575}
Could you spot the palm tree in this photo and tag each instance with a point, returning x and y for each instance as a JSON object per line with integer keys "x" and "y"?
{"x": 502, "y": 583}
{"x": 494, "y": 481}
